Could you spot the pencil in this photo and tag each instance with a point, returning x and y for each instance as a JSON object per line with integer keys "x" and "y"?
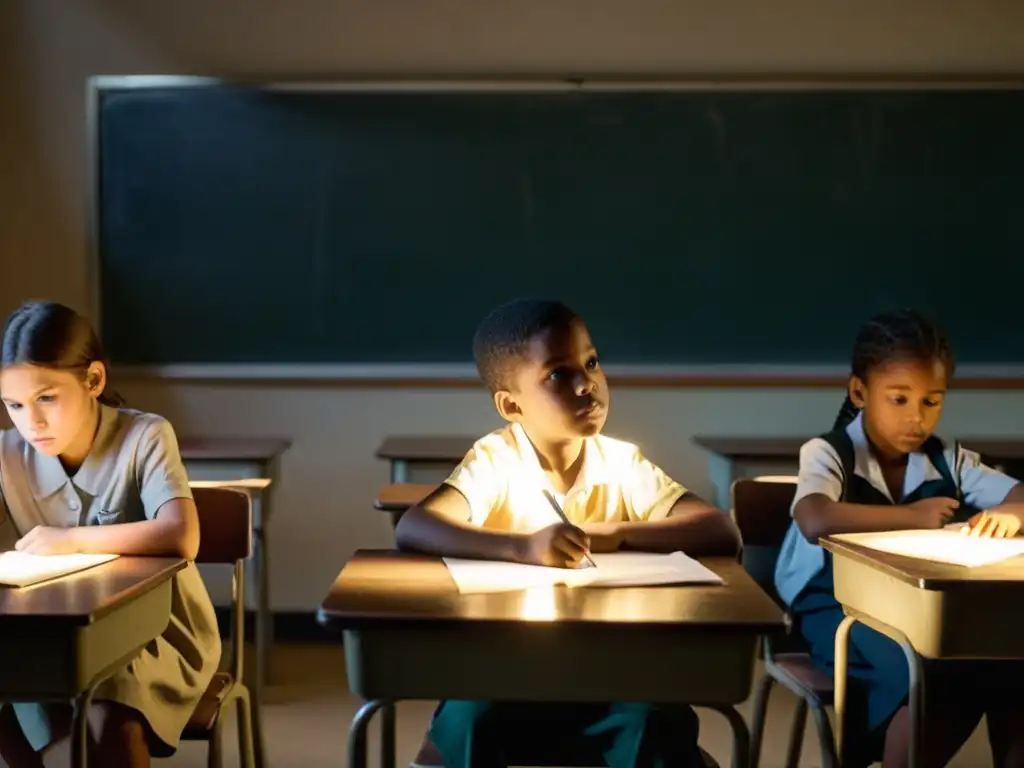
{"x": 561, "y": 514}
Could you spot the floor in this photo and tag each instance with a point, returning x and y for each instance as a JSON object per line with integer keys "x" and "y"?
{"x": 308, "y": 709}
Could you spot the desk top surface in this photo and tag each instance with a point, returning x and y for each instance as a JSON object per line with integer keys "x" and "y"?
{"x": 787, "y": 447}
{"x": 241, "y": 484}
{"x": 397, "y": 497}
{"x": 84, "y": 597}
{"x": 198, "y": 448}
{"x": 377, "y": 589}
{"x": 926, "y": 574}
{"x": 425, "y": 447}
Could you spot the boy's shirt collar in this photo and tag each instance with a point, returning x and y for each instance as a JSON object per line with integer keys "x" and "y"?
{"x": 594, "y": 471}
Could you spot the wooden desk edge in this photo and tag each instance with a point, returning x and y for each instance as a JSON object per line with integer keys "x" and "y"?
{"x": 342, "y": 622}
{"x": 172, "y": 567}
{"x": 907, "y": 569}
{"x": 396, "y": 497}
{"x": 439, "y": 448}
{"x": 231, "y": 448}
{"x": 241, "y": 484}
{"x": 339, "y": 620}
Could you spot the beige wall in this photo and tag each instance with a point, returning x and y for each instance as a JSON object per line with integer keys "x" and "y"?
{"x": 49, "y": 47}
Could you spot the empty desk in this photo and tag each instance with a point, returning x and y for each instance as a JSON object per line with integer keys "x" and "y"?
{"x": 442, "y": 452}
{"x": 248, "y": 459}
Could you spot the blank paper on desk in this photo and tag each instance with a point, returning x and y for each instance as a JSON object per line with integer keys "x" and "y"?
{"x": 617, "y": 569}
{"x": 945, "y": 546}
{"x": 20, "y": 569}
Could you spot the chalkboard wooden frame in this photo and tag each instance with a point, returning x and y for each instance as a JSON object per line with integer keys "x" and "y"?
{"x": 461, "y": 375}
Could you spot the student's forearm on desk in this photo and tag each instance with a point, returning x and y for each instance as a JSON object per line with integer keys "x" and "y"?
{"x": 693, "y": 526}
{"x": 421, "y": 530}
{"x": 174, "y": 532}
{"x": 818, "y": 516}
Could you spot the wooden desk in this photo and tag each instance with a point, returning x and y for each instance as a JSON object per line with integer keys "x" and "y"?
{"x": 930, "y": 609}
{"x": 86, "y": 626}
{"x": 732, "y": 457}
{"x": 251, "y": 461}
{"x": 395, "y": 498}
{"x": 406, "y": 627}
{"x": 439, "y": 450}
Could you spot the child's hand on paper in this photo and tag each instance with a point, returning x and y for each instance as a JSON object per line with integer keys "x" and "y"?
{"x": 604, "y": 537}
{"x": 935, "y": 513}
{"x": 47, "y": 540}
{"x": 992, "y": 524}
{"x": 561, "y": 545}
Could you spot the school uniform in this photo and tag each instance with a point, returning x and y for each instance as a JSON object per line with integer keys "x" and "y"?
{"x": 132, "y": 469}
{"x": 842, "y": 467}
{"x": 502, "y": 480}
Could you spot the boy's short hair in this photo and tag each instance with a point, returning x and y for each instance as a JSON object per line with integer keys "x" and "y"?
{"x": 500, "y": 341}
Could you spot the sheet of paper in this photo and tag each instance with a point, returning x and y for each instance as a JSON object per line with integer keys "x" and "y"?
{"x": 19, "y": 569}
{"x": 618, "y": 569}
{"x": 945, "y": 546}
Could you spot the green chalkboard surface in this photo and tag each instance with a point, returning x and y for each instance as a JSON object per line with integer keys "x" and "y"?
{"x": 239, "y": 224}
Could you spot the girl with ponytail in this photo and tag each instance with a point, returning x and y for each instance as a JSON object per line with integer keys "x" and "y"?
{"x": 882, "y": 468}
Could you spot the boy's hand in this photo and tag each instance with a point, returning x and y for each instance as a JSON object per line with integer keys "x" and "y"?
{"x": 560, "y": 545}
{"x": 935, "y": 513}
{"x": 604, "y": 537}
{"x": 992, "y": 524}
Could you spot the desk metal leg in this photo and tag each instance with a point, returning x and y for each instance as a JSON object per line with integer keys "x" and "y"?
{"x": 740, "y": 734}
{"x": 387, "y": 735}
{"x": 264, "y": 636}
{"x": 915, "y": 700}
{"x": 839, "y": 682}
{"x": 399, "y": 471}
{"x": 80, "y": 729}
{"x": 357, "y": 734}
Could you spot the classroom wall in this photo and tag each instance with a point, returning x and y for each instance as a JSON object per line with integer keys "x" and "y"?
{"x": 49, "y": 47}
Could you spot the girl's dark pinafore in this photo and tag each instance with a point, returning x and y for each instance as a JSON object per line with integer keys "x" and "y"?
{"x": 879, "y": 680}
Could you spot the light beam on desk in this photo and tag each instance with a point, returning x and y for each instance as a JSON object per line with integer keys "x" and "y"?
{"x": 538, "y": 604}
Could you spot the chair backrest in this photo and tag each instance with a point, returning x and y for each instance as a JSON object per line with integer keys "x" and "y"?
{"x": 761, "y": 511}
{"x": 225, "y": 525}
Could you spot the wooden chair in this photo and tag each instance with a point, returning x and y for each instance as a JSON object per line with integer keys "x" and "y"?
{"x": 761, "y": 511}
{"x": 225, "y": 536}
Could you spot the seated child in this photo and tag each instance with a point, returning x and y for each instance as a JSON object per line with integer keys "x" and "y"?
{"x": 542, "y": 369}
{"x": 882, "y": 468}
{"x": 80, "y": 473}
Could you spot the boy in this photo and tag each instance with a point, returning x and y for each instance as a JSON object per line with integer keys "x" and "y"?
{"x": 539, "y": 362}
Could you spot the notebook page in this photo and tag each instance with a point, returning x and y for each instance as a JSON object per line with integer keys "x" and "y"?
{"x": 20, "y": 569}
{"x": 643, "y": 569}
{"x": 617, "y": 569}
{"x": 944, "y": 546}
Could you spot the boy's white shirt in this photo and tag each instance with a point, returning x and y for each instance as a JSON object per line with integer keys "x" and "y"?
{"x": 503, "y": 482}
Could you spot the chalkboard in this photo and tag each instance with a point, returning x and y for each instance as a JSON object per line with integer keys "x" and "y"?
{"x": 239, "y": 224}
